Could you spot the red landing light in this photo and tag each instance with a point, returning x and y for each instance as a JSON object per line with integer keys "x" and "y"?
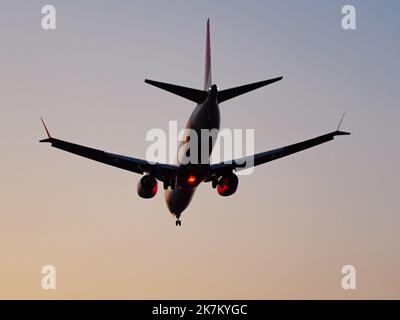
{"x": 192, "y": 180}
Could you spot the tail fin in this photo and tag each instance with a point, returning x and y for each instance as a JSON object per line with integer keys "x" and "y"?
{"x": 207, "y": 71}
{"x": 194, "y": 95}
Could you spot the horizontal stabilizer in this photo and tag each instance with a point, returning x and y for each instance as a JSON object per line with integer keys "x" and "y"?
{"x": 194, "y": 95}
{"x": 237, "y": 91}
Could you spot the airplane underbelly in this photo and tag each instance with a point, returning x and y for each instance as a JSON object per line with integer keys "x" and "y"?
{"x": 178, "y": 199}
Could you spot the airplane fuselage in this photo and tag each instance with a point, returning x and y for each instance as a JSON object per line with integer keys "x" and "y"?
{"x": 205, "y": 116}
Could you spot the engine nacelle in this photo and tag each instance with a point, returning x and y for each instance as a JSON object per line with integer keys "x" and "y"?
{"x": 227, "y": 185}
{"x": 147, "y": 187}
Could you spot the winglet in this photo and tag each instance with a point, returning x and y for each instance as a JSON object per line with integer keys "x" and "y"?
{"x": 341, "y": 119}
{"x": 47, "y": 132}
{"x": 338, "y": 127}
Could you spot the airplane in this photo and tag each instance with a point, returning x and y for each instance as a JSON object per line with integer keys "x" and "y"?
{"x": 180, "y": 181}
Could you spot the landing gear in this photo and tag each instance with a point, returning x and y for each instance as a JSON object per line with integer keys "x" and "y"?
{"x": 178, "y": 222}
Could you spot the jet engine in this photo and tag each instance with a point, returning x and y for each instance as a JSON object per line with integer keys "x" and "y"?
{"x": 227, "y": 184}
{"x": 147, "y": 187}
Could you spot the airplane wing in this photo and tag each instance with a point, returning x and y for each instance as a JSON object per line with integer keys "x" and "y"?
{"x": 267, "y": 156}
{"x": 163, "y": 172}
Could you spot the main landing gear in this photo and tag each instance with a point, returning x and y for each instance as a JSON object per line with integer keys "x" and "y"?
{"x": 178, "y": 222}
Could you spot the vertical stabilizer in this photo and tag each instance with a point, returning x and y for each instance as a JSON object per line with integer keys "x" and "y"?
{"x": 207, "y": 72}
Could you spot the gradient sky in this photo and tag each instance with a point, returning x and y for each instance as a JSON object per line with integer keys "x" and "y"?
{"x": 290, "y": 227}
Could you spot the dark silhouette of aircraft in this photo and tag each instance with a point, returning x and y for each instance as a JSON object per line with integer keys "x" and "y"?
{"x": 180, "y": 181}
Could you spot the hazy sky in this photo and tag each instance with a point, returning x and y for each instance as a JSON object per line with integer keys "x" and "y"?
{"x": 292, "y": 224}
